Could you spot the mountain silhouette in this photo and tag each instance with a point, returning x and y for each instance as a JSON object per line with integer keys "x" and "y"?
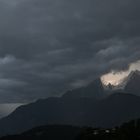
{"x": 94, "y": 90}
{"x": 108, "y": 112}
{"x": 133, "y": 83}
{"x": 85, "y": 106}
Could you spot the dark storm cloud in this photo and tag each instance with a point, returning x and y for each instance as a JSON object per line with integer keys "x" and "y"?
{"x": 48, "y": 46}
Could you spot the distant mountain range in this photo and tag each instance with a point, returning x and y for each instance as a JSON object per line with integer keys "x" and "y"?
{"x": 96, "y": 89}
{"x": 87, "y": 106}
{"x": 108, "y": 112}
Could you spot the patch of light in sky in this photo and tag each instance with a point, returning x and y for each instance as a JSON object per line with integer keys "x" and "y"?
{"x": 6, "y": 109}
{"x": 115, "y": 78}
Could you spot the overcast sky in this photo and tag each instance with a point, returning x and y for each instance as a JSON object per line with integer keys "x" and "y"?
{"x": 49, "y": 46}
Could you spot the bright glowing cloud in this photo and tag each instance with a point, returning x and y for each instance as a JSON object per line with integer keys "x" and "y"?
{"x": 115, "y": 78}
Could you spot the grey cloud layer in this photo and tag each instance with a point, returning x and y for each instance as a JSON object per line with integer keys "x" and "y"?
{"x": 48, "y": 46}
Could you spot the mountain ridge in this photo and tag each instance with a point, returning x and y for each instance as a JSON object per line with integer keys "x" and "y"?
{"x": 108, "y": 112}
{"x": 93, "y": 90}
{"x": 76, "y": 108}
{"x": 133, "y": 82}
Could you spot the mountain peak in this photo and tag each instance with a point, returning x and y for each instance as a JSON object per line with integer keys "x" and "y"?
{"x": 93, "y": 90}
{"x": 97, "y": 82}
{"x": 132, "y": 82}
{"x": 134, "y": 74}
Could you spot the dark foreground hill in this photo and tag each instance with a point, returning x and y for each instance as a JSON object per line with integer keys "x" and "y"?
{"x": 109, "y": 112}
{"x": 127, "y": 131}
{"x": 54, "y": 132}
